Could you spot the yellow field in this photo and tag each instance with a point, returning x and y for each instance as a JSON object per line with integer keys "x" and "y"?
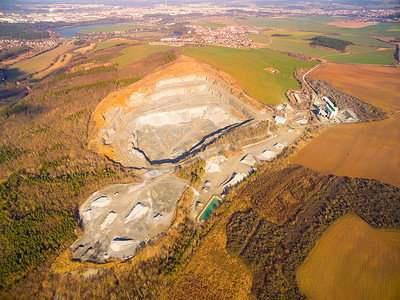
{"x": 353, "y": 261}
{"x": 37, "y": 63}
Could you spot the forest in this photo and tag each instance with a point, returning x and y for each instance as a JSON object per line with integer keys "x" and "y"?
{"x": 6, "y": 54}
{"x": 328, "y": 42}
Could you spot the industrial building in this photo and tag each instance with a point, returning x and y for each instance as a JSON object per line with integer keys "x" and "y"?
{"x": 330, "y": 110}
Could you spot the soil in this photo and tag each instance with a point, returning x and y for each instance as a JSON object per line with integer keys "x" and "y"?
{"x": 369, "y": 150}
{"x": 349, "y": 248}
{"x": 377, "y": 85}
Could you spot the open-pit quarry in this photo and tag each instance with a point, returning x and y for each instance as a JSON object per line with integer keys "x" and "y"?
{"x": 176, "y": 116}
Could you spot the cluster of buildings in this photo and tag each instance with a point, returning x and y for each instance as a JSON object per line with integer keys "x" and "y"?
{"x": 37, "y": 45}
{"x": 329, "y": 110}
{"x": 89, "y": 12}
{"x": 231, "y": 36}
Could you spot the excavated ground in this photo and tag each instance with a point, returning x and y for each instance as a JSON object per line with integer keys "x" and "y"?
{"x": 118, "y": 219}
{"x": 167, "y": 116}
{"x": 163, "y": 120}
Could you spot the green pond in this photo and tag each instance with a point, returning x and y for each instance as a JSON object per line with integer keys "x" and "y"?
{"x": 214, "y": 203}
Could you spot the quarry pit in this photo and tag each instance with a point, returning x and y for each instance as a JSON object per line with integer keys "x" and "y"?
{"x": 168, "y": 116}
{"x": 169, "y": 119}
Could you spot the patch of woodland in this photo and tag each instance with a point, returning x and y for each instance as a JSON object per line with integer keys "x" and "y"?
{"x": 328, "y": 42}
{"x": 310, "y": 204}
{"x": 193, "y": 172}
{"x": 148, "y": 275}
{"x": 297, "y": 55}
{"x": 364, "y": 111}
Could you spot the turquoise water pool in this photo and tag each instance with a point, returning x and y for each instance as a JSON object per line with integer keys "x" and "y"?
{"x": 214, "y": 203}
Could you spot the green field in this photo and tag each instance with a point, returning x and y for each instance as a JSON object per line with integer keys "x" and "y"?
{"x": 384, "y": 57}
{"x": 209, "y": 25}
{"x": 360, "y": 52}
{"x": 360, "y": 49}
{"x": 248, "y": 68}
{"x": 299, "y": 46}
{"x": 105, "y": 45}
{"x": 37, "y": 63}
{"x": 357, "y": 40}
{"x": 111, "y": 28}
{"x": 134, "y": 53}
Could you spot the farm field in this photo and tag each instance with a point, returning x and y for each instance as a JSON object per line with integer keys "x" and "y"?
{"x": 352, "y": 261}
{"x": 134, "y": 53}
{"x": 110, "y": 28}
{"x": 384, "y": 57}
{"x": 300, "y": 46}
{"x": 364, "y": 50}
{"x": 247, "y": 67}
{"x": 320, "y": 24}
{"x": 61, "y": 61}
{"x": 209, "y": 25}
{"x": 366, "y": 150}
{"x": 109, "y": 44}
{"x": 356, "y": 40}
{"x": 37, "y": 63}
{"x": 377, "y": 85}
{"x": 259, "y": 38}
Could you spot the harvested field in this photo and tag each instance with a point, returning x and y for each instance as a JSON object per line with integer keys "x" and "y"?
{"x": 353, "y": 261}
{"x": 369, "y": 150}
{"x": 377, "y": 85}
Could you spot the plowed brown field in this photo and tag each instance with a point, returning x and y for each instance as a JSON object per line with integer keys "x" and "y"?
{"x": 377, "y": 85}
{"x": 367, "y": 150}
{"x": 353, "y": 261}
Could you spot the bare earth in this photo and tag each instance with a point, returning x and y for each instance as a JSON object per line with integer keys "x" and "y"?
{"x": 353, "y": 261}
{"x": 353, "y": 24}
{"x": 368, "y": 150}
{"x": 377, "y": 85}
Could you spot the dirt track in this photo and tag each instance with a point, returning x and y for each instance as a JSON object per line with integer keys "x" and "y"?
{"x": 377, "y": 85}
{"x": 368, "y": 150}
